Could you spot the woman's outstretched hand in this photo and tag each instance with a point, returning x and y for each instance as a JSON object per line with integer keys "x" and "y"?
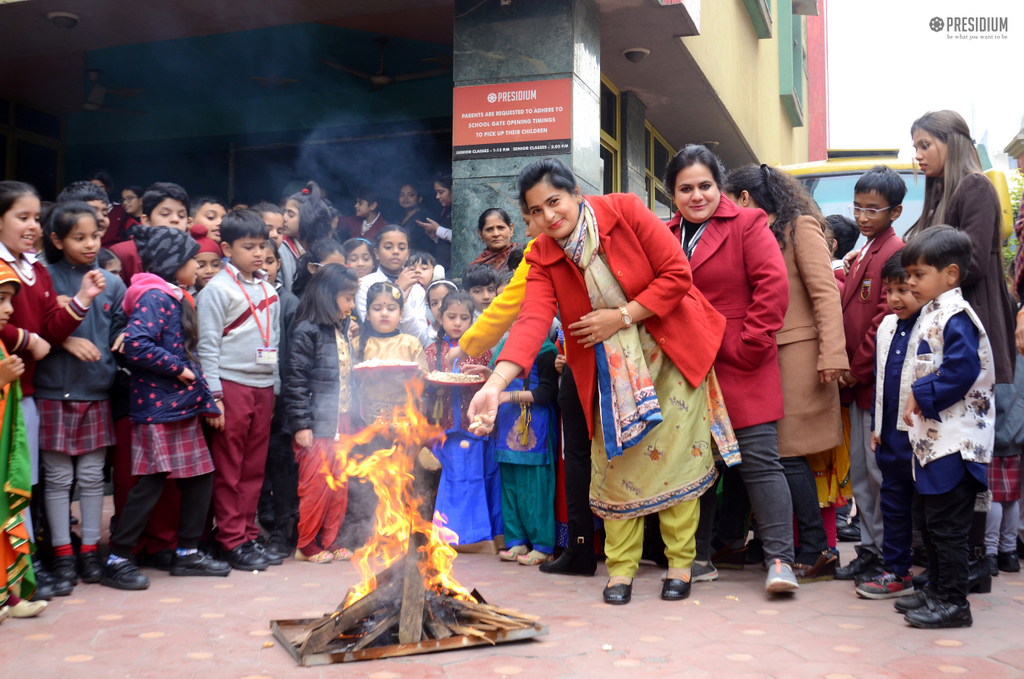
{"x": 483, "y": 409}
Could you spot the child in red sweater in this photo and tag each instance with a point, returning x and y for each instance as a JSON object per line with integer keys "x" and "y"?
{"x": 38, "y": 321}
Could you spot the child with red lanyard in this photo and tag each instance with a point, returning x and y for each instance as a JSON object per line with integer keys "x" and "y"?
{"x": 239, "y": 330}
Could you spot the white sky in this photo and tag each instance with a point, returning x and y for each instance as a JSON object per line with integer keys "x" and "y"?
{"x": 887, "y": 67}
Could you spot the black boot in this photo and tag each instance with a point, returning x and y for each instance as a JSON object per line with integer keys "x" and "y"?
{"x": 577, "y": 559}
{"x": 979, "y": 577}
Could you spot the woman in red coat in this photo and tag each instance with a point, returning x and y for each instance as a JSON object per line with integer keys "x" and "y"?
{"x": 738, "y": 266}
{"x": 613, "y": 272}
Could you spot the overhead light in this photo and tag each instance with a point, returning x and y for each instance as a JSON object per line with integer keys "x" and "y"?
{"x": 636, "y": 54}
{"x": 65, "y": 20}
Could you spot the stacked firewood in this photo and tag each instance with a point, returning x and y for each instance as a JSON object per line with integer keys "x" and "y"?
{"x": 401, "y": 611}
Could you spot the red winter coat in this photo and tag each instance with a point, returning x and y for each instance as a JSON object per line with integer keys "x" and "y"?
{"x": 652, "y": 270}
{"x": 864, "y": 307}
{"x": 738, "y": 266}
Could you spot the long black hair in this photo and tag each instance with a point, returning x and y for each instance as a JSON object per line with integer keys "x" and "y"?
{"x": 689, "y": 155}
{"x": 777, "y": 193}
{"x": 315, "y": 216}
{"x": 319, "y": 305}
{"x": 60, "y": 222}
{"x": 388, "y": 289}
{"x": 317, "y": 252}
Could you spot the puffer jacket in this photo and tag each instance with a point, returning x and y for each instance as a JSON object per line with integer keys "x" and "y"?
{"x": 154, "y": 349}
{"x": 312, "y": 383}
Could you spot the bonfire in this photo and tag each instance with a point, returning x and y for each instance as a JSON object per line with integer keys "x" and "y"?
{"x": 408, "y": 600}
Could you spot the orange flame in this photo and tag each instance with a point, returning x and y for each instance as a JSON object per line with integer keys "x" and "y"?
{"x": 391, "y": 471}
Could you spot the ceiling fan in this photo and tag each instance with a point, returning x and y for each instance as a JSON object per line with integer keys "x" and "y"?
{"x": 381, "y": 79}
{"x": 98, "y": 92}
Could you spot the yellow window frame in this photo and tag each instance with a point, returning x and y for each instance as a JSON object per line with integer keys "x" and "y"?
{"x": 654, "y": 182}
{"x": 614, "y": 144}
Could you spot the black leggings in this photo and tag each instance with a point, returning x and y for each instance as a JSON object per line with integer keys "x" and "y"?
{"x": 577, "y": 458}
{"x": 196, "y": 492}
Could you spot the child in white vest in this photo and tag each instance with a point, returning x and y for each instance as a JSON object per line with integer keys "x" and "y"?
{"x": 950, "y": 414}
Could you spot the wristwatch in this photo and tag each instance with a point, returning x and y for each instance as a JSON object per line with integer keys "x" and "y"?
{"x": 627, "y": 320}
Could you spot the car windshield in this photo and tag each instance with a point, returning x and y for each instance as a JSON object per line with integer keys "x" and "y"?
{"x": 834, "y": 192}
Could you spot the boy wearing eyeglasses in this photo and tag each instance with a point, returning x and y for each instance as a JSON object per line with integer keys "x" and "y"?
{"x": 877, "y": 203}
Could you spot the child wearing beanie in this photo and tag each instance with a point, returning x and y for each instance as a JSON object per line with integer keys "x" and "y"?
{"x": 169, "y": 395}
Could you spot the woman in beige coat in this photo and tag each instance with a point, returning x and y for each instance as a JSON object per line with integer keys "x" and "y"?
{"x": 812, "y": 353}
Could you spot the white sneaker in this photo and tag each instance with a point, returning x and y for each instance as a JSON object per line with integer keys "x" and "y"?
{"x": 780, "y": 578}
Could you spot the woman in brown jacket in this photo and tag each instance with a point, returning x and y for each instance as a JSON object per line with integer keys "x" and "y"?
{"x": 812, "y": 351}
{"x": 957, "y": 193}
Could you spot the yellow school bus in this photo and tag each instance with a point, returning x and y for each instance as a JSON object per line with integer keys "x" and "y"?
{"x": 831, "y": 183}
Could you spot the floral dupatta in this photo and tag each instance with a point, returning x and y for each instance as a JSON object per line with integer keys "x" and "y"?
{"x": 627, "y": 402}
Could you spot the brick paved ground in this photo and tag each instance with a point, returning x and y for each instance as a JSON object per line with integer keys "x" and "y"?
{"x": 217, "y": 628}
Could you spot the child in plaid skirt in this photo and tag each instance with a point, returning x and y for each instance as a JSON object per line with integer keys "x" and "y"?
{"x": 73, "y": 391}
{"x": 169, "y": 395}
{"x": 1004, "y": 480}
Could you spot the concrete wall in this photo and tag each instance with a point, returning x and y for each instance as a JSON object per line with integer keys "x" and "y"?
{"x": 745, "y": 73}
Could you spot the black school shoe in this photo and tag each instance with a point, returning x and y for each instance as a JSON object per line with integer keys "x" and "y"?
{"x": 867, "y": 563}
{"x": 938, "y": 614}
{"x": 675, "y": 590}
{"x": 47, "y": 585}
{"x": 200, "y": 564}
{"x": 1008, "y": 562}
{"x": 123, "y": 575}
{"x": 63, "y": 567}
{"x": 917, "y": 600}
{"x": 618, "y": 595}
{"x": 272, "y": 557}
{"x": 160, "y": 560}
{"x": 243, "y": 558}
{"x": 848, "y": 532}
{"x": 90, "y": 567}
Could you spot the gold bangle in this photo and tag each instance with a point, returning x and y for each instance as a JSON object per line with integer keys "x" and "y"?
{"x": 503, "y": 379}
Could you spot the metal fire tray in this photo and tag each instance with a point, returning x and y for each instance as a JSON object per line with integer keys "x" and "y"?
{"x": 286, "y": 630}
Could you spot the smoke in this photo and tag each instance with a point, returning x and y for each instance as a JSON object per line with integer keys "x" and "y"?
{"x": 212, "y": 127}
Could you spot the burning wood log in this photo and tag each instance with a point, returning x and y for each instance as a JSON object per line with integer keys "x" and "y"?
{"x": 414, "y": 605}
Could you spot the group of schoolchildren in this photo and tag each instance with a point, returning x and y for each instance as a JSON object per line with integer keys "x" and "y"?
{"x": 212, "y": 351}
{"x": 921, "y": 397}
{"x": 252, "y": 325}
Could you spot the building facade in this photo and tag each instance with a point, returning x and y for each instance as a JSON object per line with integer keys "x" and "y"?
{"x": 238, "y": 99}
